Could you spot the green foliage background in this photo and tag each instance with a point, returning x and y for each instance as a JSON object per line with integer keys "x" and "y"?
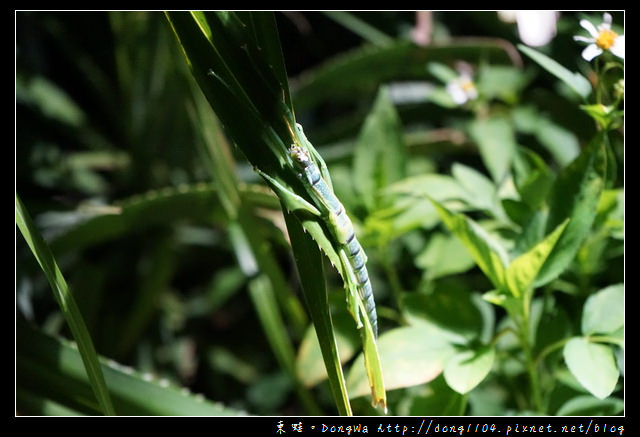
{"x": 494, "y": 230}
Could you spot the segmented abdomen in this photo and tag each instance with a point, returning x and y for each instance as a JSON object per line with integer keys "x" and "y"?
{"x": 343, "y": 228}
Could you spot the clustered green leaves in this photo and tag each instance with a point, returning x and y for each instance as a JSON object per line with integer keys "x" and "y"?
{"x": 494, "y": 228}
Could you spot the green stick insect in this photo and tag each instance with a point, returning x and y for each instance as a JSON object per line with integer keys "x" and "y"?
{"x": 312, "y": 172}
{"x": 352, "y": 256}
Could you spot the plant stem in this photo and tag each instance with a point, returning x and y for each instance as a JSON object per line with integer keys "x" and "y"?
{"x": 527, "y": 347}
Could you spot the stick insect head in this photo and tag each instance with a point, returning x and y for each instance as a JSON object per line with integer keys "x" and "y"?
{"x": 300, "y": 156}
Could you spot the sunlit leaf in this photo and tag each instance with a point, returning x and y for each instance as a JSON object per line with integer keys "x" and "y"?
{"x": 593, "y": 365}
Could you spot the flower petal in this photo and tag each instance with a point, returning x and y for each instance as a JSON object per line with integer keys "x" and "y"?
{"x": 606, "y": 17}
{"x": 591, "y": 51}
{"x": 618, "y": 47}
{"x": 536, "y": 28}
{"x": 588, "y": 25}
{"x": 457, "y": 93}
{"x": 583, "y": 39}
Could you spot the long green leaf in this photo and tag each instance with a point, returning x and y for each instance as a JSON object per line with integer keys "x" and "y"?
{"x": 487, "y": 253}
{"x": 51, "y": 380}
{"x": 309, "y": 262}
{"x": 67, "y": 304}
{"x": 574, "y": 195}
{"x": 523, "y": 270}
{"x": 496, "y": 140}
{"x": 226, "y": 58}
{"x": 575, "y": 81}
{"x": 362, "y": 70}
{"x": 198, "y": 203}
{"x": 380, "y": 153}
{"x": 266, "y": 282}
{"x": 360, "y": 27}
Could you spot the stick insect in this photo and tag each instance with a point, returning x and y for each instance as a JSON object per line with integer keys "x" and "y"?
{"x": 312, "y": 172}
{"x": 317, "y": 181}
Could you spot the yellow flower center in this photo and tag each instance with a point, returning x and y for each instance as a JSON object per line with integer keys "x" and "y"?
{"x": 467, "y": 85}
{"x": 606, "y": 38}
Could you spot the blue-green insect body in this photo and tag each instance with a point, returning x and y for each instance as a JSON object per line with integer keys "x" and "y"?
{"x": 342, "y": 228}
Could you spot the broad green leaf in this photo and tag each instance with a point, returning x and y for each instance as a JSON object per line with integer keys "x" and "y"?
{"x": 589, "y": 406}
{"x": 67, "y": 304}
{"x": 444, "y": 255}
{"x": 560, "y": 142}
{"x": 496, "y": 140}
{"x": 603, "y": 312}
{"x": 532, "y": 177}
{"x": 440, "y": 187}
{"x": 486, "y": 252}
{"x": 517, "y": 211}
{"x": 523, "y": 270}
{"x": 548, "y": 323}
{"x": 500, "y": 81}
{"x": 575, "y": 81}
{"x": 435, "y": 399}
{"x": 593, "y": 365}
{"x": 309, "y": 363}
{"x": 575, "y": 195}
{"x": 465, "y": 370}
{"x": 410, "y": 356}
{"x": 480, "y": 191}
{"x": 53, "y": 369}
{"x": 451, "y": 310}
{"x": 380, "y": 152}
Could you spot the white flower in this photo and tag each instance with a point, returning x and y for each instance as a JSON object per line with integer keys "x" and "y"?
{"x": 602, "y": 38}
{"x": 535, "y": 28}
{"x": 462, "y": 89}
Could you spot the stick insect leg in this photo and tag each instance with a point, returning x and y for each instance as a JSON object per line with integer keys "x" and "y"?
{"x": 352, "y": 290}
{"x": 291, "y": 200}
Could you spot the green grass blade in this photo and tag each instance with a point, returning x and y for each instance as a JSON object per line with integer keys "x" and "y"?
{"x": 67, "y": 305}
{"x": 265, "y": 33}
{"x": 361, "y": 71}
{"x": 51, "y": 380}
{"x": 29, "y": 402}
{"x": 267, "y": 285}
{"x": 308, "y": 259}
{"x": 360, "y": 27}
{"x": 227, "y": 60}
{"x": 199, "y": 203}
